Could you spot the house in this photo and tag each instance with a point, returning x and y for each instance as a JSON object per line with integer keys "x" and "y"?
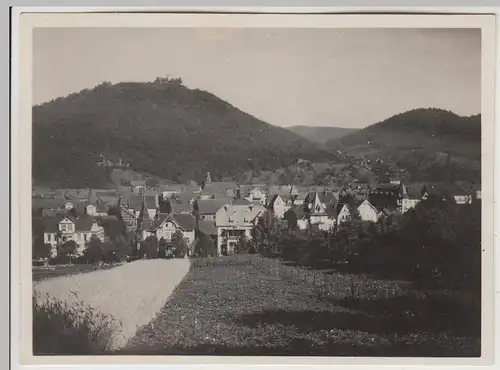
{"x": 129, "y": 218}
{"x": 234, "y": 221}
{"x": 98, "y": 209}
{"x": 59, "y": 230}
{"x": 256, "y": 194}
{"x": 388, "y": 195}
{"x": 277, "y": 205}
{"x": 134, "y": 204}
{"x": 346, "y": 209}
{"x": 367, "y": 212}
{"x": 166, "y": 225}
{"x": 320, "y": 209}
{"x": 206, "y": 209}
{"x": 172, "y": 189}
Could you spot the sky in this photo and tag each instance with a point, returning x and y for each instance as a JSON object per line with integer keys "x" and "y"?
{"x": 312, "y": 77}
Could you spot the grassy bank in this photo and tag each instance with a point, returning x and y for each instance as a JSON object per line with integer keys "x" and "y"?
{"x": 250, "y": 305}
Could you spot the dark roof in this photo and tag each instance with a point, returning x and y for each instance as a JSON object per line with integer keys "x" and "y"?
{"x": 135, "y": 202}
{"x": 207, "y": 227}
{"x": 327, "y": 197}
{"x": 159, "y": 220}
{"x": 180, "y": 207}
{"x": 210, "y": 206}
{"x": 241, "y": 202}
{"x": 150, "y": 201}
{"x": 185, "y": 220}
{"x": 331, "y": 210}
{"x": 81, "y": 224}
{"x": 348, "y": 200}
{"x": 144, "y": 221}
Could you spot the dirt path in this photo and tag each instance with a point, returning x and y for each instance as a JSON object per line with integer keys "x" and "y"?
{"x": 133, "y": 293}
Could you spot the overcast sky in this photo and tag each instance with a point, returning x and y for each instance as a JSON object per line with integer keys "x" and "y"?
{"x": 315, "y": 77}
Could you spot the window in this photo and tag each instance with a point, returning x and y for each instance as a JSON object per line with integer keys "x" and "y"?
{"x": 49, "y": 237}
{"x": 85, "y": 237}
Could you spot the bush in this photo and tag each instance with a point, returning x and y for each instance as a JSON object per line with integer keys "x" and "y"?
{"x": 77, "y": 330}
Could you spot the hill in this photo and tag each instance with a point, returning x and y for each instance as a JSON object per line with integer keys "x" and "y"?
{"x": 162, "y": 128}
{"x": 320, "y": 134}
{"x": 432, "y": 144}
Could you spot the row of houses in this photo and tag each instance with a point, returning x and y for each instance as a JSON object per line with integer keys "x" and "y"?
{"x": 224, "y": 211}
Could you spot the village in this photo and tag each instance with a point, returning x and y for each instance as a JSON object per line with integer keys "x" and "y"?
{"x": 223, "y": 212}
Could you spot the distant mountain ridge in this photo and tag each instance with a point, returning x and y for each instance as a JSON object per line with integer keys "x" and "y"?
{"x": 430, "y": 143}
{"x": 162, "y": 128}
{"x": 321, "y": 134}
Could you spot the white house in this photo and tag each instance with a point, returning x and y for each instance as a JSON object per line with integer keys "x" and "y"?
{"x": 166, "y": 225}
{"x": 257, "y": 195}
{"x": 59, "y": 230}
{"x": 463, "y": 199}
{"x": 277, "y": 206}
{"x": 343, "y": 213}
{"x": 368, "y": 212}
{"x": 409, "y": 203}
{"x": 320, "y": 209}
{"x": 233, "y": 221}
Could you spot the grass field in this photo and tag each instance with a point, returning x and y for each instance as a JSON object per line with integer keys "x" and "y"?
{"x": 250, "y": 305}
{"x": 49, "y": 272}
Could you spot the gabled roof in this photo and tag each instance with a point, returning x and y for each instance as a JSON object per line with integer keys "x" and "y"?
{"x": 125, "y": 210}
{"x": 135, "y": 202}
{"x": 366, "y": 202}
{"x": 81, "y": 224}
{"x": 185, "y": 221}
{"x": 159, "y": 221}
{"x": 331, "y": 210}
{"x": 144, "y": 221}
{"x": 327, "y": 197}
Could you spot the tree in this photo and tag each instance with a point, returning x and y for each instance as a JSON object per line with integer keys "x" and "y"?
{"x": 41, "y": 250}
{"x": 149, "y": 247}
{"x": 180, "y": 244}
{"x": 162, "y": 248}
{"x": 94, "y": 251}
{"x": 67, "y": 250}
{"x": 205, "y": 247}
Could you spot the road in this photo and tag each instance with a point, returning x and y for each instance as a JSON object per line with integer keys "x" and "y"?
{"x": 133, "y": 293}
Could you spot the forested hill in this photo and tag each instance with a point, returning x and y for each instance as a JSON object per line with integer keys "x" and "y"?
{"x": 162, "y": 128}
{"x": 429, "y": 142}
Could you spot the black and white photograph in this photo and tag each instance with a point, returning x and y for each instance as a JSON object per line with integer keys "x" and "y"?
{"x": 257, "y": 191}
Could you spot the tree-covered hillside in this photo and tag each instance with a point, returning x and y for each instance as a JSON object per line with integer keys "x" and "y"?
{"x": 162, "y": 128}
{"x": 432, "y": 144}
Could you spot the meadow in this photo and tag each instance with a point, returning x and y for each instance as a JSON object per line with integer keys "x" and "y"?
{"x": 251, "y": 305}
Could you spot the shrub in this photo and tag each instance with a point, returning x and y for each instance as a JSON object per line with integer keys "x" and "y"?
{"x": 59, "y": 329}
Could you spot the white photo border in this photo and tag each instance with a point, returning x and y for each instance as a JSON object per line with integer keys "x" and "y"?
{"x": 21, "y": 160}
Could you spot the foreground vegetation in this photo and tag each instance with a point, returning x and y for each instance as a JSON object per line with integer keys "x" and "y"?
{"x": 251, "y": 305}
{"x": 59, "y": 328}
